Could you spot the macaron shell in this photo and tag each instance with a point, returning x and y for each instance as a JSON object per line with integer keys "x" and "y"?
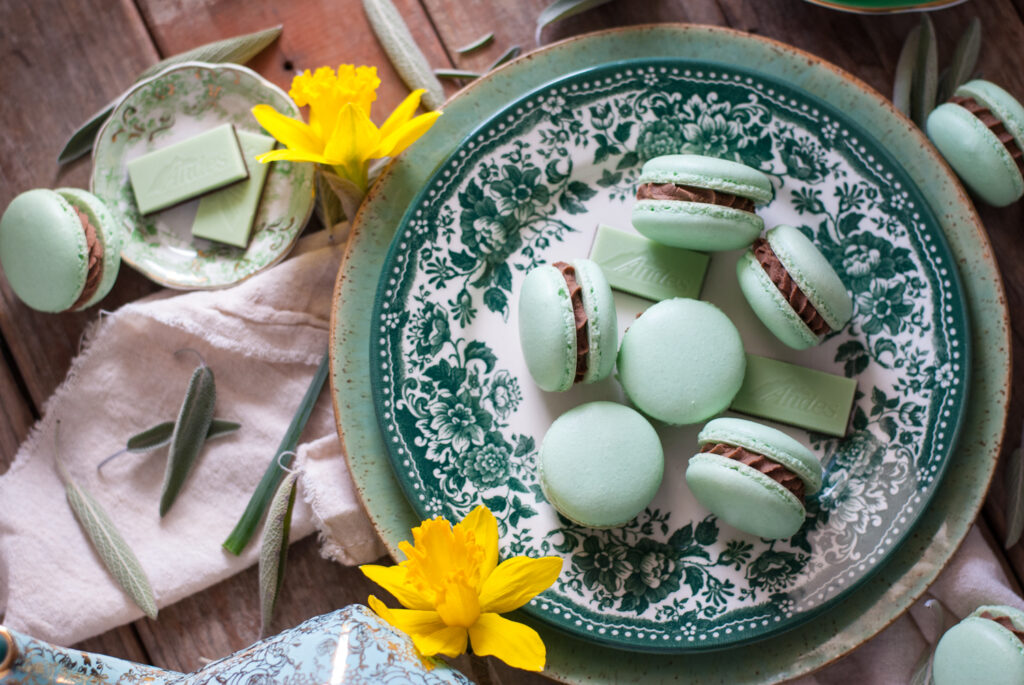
{"x": 1015, "y": 615}
{"x": 813, "y": 274}
{"x": 976, "y": 154}
{"x": 602, "y": 321}
{"x": 600, "y": 464}
{"x": 682, "y": 361}
{"x": 770, "y": 306}
{"x": 547, "y": 329}
{"x": 708, "y": 172}
{"x": 695, "y": 225}
{"x": 744, "y": 497}
{"x": 43, "y": 250}
{"x": 1006, "y": 107}
{"x": 978, "y": 650}
{"x": 770, "y": 442}
{"x": 106, "y": 231}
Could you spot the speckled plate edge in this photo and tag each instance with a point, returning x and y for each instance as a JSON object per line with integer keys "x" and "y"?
{"x": 896, "y": 8}
{"x": 941, "y": 529}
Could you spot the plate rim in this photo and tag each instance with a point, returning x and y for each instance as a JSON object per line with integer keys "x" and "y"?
{"x": 858, "y": 131}
{"x": 901, "y": 581}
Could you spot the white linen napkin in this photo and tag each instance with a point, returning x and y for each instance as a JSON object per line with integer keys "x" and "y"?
{"x": 263, "y": 340}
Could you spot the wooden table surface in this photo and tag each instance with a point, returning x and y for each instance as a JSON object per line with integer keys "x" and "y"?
{"x": 61, "y": 61}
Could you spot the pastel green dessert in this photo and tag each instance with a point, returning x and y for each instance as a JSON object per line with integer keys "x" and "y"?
{"x": 600, "y": 464}
{"x": 642, "y": 267}
{"x": 986, "y": 647}
{"x": 568, "y": 329}
{"x": 682, "y": 361}
{"x": 60, "y": 249}
{"x": 186, "y": 169}
{"x": 753, "y": 477}
{"x": 792, "y": 288}
{"x": 700, "y": 203}
{"x": 980, "y": 132}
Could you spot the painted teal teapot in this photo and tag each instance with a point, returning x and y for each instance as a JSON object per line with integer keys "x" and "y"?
{"x": 351, "y": 646}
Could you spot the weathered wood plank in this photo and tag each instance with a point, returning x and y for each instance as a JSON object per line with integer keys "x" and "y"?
{"x": 122, "y": 642}
{"x": 15, "y": 416}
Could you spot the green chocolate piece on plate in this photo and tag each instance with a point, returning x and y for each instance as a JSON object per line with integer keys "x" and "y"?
{"x": 985, "y": 648}
{"x": 787, "y": 393}
{"x": 226, "y": 215}
{"x": 186, "y": 169}
{"x": 642, "y": 267}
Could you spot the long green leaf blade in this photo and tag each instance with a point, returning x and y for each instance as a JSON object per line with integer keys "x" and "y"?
{"x": 508, "y": 55}
{"x": 160, "y": 435}
{"x": 406, "y": 56}
{"x": 80, "y": 142}
{"x": 904, "y": 79}
{"x": 260, "y": 500}
{"x": 563, "y": 9}
{"x": 926, "y": 74}
{"x": 112, "y": 549}
{"x": 189, "y": 434}
{"x": 476, "y": 44}
{"x": 456, "y": 74}
{"x": 274, "y": 550}
{"x": 965, "y": 59}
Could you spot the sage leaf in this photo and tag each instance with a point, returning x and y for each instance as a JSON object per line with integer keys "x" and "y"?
{"x": 160, "y": 435}
{"x": 456, "y": 74}
{"x": 274, "y": 550}
{"x": 189, "y": 434}
{"x": 260, "y": 500}
{"x": 926, "y": 74}
{"x": 563, "y": 9}
{"x": 238, "y": 50}
{"x": 964, "y": 60}
{"x": 904, "y": 78}
{"x": 476, "y": 44}
{"x": 112, "y": 549}
{"x": 509, "y": 54}
{"x": 407, "y": 58}
{"x": 1014, "y": 497}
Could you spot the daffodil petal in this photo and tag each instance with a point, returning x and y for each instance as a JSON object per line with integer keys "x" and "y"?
{"x": 428, "y": 632}
{"x": 449, "y": 641}
{"x": 516, "y": 644}
{"x": 406, "y": 135}
{"x": 354, "y": 136}
{"x": 292, "y": 156}
{"x": 516, "y": 581}
{"x": 394, "y": 579}
{"x": 459, "y": 604}
{"x": 293, "y": 133}
{"x": 484, "y": 527}
{"x": 402, "y": 113}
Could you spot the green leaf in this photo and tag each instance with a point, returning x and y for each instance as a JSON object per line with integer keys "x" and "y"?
{"x": 112, "y": 549}
{"x": 476, "y": 44}
{"x": 506, "y": 56}
{"x": 274, "y": 550}
{"x": 160, "y": 435}
{"x": 496, "y": 300}
{"x": 456, "y": 74}
{"x": 563, "y": 9}
{"x": 1014, "y": 497}
{"x": 964, "y": 60}
{"x": 260, "y": 500}
{"x": 926, "y": 74}
{"x": 407, "y": 58}
{"x": 238, "y": 50}
{"x": 189, "y": 434}
{"x": 477, "y": 349}
{"x": 904, "y": 78}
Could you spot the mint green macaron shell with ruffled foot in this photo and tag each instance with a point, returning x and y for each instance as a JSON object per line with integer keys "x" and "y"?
{"x": 985, "y": 648}
{"x": 700, "y": 203}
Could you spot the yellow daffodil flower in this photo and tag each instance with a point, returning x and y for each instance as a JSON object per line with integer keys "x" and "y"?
{"x": 453, "y": 588}
{"x": 339, "y": 133}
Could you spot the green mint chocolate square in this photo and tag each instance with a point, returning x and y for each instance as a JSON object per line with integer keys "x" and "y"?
{"x": 636, "y": 265}
{"x": 226, "y": 215}
{"x": 796, "y": 395}
{"x": 186, "y": 169}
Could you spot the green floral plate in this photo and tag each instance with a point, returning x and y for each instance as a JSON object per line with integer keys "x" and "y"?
{"x": 626, "y": 567}
{"x": 180, "y": 102}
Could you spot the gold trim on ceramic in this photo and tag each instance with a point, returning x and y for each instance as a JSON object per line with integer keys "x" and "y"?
{"x": 12, "y": 652}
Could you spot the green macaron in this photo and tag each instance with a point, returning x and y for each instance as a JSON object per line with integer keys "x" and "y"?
{"x": 753, "y": 477}
{"x": 600, "y": 464}
{"x": 682, "y": 361}
{"x": 980, "y": 132}
{"x": 792, "y": 288}
{"x": 567, "y": 324}
{"x": 60, "y": 249}
{"x": 700, "y": 203}
{"x": 985, "y": 648}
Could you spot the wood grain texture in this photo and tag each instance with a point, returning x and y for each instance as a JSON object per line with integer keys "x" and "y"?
{"x": 122, "y": 642}
{"x": 15, "y": 416}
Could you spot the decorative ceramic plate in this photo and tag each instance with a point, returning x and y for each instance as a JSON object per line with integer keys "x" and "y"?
{"x": 180, "y": 102}
{"x": 886, "y": 6}
{"x": 911, "y": 566}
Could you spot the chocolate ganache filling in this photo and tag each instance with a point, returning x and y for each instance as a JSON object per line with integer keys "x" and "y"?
{"x": 95, "y": 255}
{"x": 787, "y": 286}
{"x": 774, "y": 470}
{"x": 1005, "y": 622}
{"x": 671, "y": 191}
{"x": 582, "y": 339}
{"x": 993, "y": 123}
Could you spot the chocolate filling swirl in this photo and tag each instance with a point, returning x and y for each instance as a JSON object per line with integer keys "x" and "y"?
{"x": 580, "y": 314}
{"x": 1005, "y": 622}
{"x": 994, "y": 124}
{"x": 681, "y": 193}
{"x": 787, "y": 286}
{"x": 95, "y": 256}
{"x": 774, "y": 470}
